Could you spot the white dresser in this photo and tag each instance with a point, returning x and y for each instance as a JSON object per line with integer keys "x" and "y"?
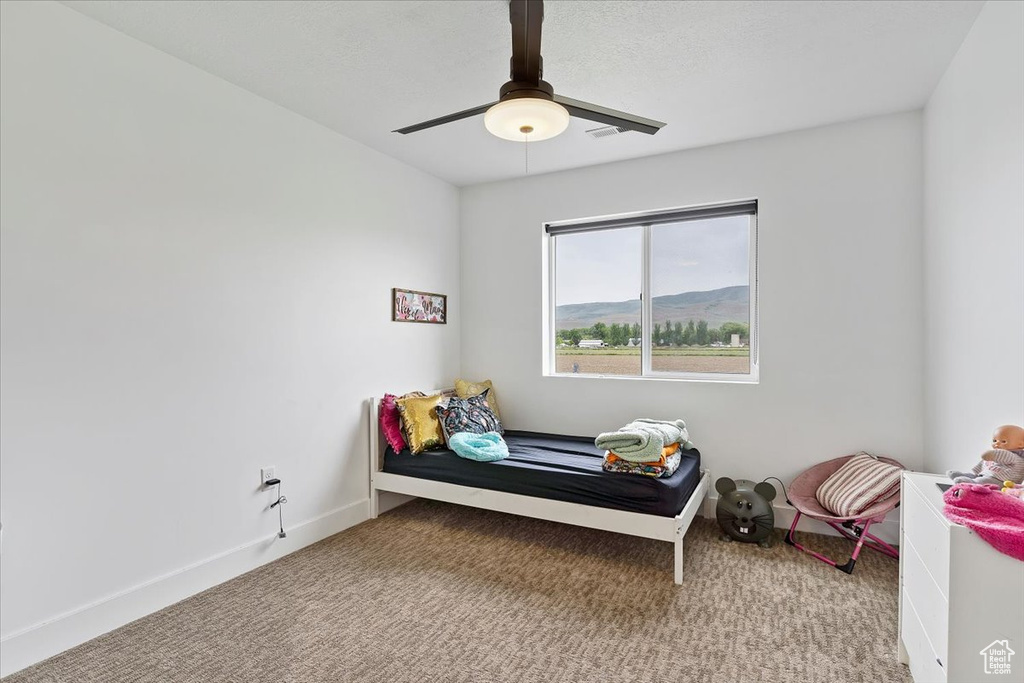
{"x": 958, "y": 595}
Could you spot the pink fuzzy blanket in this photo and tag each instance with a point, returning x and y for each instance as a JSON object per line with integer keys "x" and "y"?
{"x": 996, "y": 517}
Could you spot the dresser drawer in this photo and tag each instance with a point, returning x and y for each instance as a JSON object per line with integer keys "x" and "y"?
{"x": 928, "y": 533}
{"x": 924, "y": 665}
{"x": 928, "y": 602}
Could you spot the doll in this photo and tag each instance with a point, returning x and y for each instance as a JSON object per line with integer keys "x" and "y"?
{"x": 1005, "y": 462}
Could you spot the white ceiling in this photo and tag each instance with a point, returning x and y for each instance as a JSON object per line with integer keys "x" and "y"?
{"x": 714, "y": 71}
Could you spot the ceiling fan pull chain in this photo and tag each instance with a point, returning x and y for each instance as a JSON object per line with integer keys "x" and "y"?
{"x": 526, "y": 152}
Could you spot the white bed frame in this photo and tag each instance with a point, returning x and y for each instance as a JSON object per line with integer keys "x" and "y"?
{"x": 670, "y": 529}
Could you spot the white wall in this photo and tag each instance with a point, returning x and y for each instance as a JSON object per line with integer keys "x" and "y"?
{"x": 840, "y": 292}
{"x": 195, "y": 283}
{"x": 974, "y": 241}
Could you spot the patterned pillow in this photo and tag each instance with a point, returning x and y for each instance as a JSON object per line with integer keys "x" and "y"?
{"x": 467, "y": 389}
{"x": 467, "y": 415}
{"x": 419, "y": 418}
{"x": 862, "y": 481}
{"x": 391, "y": 423}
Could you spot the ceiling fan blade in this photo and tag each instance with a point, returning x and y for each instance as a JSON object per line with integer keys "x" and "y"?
{"x": 594, "y": 112}
{"x": 526, "y": 16}
{"x": 464, "y": 114}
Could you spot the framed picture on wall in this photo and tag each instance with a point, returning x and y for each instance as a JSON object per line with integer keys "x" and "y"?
{"x": 408, "y": 306}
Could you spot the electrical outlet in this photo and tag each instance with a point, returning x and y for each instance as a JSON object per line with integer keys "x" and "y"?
{"x": 266, "y": 474}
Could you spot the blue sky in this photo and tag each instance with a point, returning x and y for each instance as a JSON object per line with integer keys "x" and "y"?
{"x": 689, "y": 256}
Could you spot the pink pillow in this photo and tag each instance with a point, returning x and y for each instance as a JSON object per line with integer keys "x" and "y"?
{"x": 390, "y": 423}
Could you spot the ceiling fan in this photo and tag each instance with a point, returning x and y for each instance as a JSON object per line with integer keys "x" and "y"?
{"x": 528, "y": 108}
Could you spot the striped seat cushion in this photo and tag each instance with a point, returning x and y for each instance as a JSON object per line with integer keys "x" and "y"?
{"x": 862, "y": 481}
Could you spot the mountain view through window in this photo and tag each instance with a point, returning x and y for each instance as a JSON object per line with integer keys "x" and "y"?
{"x": 699, "y": 280}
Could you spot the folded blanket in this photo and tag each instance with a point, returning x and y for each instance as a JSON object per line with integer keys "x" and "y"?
{"x": 643, "y": 440}
{"x": 485, "y": 447}
{"x": 648, "y": 469}
{"x": 660, "y": 462}
{"x": 673, "y": 430}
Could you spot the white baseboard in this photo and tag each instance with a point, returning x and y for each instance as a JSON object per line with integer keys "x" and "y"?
{"x": 53, "y": 636}
{"x": 888, "y": 531}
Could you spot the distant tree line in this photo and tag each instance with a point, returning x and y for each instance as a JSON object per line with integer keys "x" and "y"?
{"x": 613, "y": 335}
{"x": 664, "y": 334}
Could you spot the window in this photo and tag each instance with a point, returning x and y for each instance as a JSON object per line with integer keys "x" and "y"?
{"x": 671, "y": 294}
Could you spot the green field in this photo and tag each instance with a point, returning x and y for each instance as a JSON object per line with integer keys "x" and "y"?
{"x": 635, "y": 351}
{"x": 626, "y": 361}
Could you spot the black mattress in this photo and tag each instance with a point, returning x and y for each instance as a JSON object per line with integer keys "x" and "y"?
{"x": 558, "y": 467}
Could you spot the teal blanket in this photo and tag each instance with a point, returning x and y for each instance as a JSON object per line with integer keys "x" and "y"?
{"x": 643, "y": 440}
{"x": 486, "y": 447}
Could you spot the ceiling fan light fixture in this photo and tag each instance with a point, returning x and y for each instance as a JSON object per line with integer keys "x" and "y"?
{"x": 526, "y": 118}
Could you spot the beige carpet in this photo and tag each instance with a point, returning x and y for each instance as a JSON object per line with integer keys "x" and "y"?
{"x": 435, "y": 592}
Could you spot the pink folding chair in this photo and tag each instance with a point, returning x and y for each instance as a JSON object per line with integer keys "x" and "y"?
{"x": 801, "y": 495}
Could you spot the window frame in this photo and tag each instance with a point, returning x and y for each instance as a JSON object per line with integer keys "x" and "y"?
{"x": 646, "y": 222}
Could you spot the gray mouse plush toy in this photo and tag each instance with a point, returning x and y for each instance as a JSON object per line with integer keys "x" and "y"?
{"x": 745, "y": 511}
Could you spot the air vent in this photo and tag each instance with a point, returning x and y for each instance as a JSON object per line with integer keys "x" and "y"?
{"x": 606, "y": 131}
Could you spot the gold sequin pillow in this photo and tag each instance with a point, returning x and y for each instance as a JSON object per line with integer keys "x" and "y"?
{"x": 469, "y": 389}
{"x": 419, "y": 419}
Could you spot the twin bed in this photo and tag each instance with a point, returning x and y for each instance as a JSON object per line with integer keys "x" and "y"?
{"x": 546, "y": 476}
